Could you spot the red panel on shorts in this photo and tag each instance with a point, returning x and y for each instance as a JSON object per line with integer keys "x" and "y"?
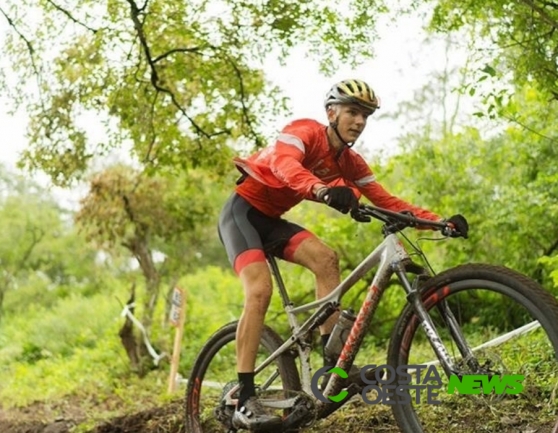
{"x": 247, "y": 257}
{"x": 294, "y": 243}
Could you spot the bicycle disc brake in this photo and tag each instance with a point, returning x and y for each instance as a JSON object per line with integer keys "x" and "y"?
{"x": 490, "y": 364}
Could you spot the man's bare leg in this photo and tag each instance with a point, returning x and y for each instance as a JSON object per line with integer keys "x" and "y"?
{"x": 256, "y": 280}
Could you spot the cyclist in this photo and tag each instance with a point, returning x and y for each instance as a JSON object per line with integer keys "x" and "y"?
{"x": 309, "y": 161}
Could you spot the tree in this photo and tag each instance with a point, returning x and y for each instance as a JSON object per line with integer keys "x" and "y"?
{"x": 525, "y": 31}
{"x": 505, "y": 184}
{"x": 177, "y": 81}
{"x": 143, "y": 214}
{"x": 36, "y": 238}
{"x": 147, "y": 215}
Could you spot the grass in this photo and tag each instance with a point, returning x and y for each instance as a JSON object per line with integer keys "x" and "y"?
{"x": 132, "y": 398}
{"x": 85, "y": 378}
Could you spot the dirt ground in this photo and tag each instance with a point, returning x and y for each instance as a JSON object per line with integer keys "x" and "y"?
{"x": 63, "y": 418}
{"x": 38, "y": 419}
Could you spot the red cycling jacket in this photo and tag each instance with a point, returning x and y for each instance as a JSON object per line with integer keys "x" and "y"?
{"x": 282, "y": 175}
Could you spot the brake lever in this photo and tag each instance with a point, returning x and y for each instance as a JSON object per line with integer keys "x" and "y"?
{"x": 450, "y": 232}
{"x": 393, "y": 227}
{"x": 360, "y": 216}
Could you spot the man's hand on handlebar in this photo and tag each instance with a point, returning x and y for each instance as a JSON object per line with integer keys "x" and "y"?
{"x": 341, "y": 198}
{"x": 456, "y": 226}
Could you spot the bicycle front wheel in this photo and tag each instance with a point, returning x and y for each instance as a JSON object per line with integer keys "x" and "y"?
{"x": 510, "y": 323}
{"x": 214, "y": 373}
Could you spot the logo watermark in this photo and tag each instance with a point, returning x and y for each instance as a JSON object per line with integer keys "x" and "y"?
{"x": 388, "y": 383}
{"x": 485, "y": 384}
{"x": 392, "y": 386}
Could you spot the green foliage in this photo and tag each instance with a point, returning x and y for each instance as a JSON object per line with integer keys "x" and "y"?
{"x": 128, "y": 209}
{"x": 181, "y": 85}
{"x": 522, "y": 30}
{"x": 214, "y": 298}
{"x": 51, "y": 352}
{"x": 39, "y": 247}
{"x": 125, "y": 205}
{"x": 505, "y": 184}
{"x": 178, "y": 81}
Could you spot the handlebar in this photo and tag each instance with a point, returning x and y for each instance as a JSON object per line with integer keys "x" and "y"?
{"x": 397, "y": 221}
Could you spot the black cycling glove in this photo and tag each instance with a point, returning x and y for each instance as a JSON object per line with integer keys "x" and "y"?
{"x": 341, "y": 198}
{"x": 460, "y": 227}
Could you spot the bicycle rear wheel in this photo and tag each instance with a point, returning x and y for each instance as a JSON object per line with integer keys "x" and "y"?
{"x": 214, "y": 373}
{"x": 487, "y": 302}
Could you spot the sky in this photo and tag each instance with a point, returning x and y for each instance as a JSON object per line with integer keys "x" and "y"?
{"x": 400, "y": 66}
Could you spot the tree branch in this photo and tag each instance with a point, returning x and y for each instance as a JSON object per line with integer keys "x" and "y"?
{"x": 195, "y": 50}
{"x": 529, "y": 40}
{"x": 153, "y": 134}
{"x": 144, "y": 7}
{"x": 245, "y": 112}
{"x": 71, "y": 17}
{"x": 544, "y": 15}
{"x": 551, "y": 249}
{"x": 36, "y": 238}
{"x": 21, "y": 35}
{"x": 155, "y": 79}
{"x": 30, "y": 49}
{"x": 528, "y": 128}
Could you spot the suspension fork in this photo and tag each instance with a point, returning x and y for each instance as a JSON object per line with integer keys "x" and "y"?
{"x": 457, "y": 335}
{"x": 414, "y": 298}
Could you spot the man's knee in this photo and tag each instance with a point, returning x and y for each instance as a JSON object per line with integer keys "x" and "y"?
{"x": 327, "y": 259}
{"x": 317, "y": 256}
{"x": 256, "y": 280}
{"x": 332, "y": 256}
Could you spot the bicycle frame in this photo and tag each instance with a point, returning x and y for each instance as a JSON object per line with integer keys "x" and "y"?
{"x": 390, "y": 257}
{"x": 389, "y": 252}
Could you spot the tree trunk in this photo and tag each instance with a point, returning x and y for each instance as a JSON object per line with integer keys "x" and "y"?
{"x": 134, "y": 345}
{"x": 152, "y": 279}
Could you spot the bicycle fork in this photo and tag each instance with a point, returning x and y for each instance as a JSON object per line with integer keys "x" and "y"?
{"x": 414, "y": 297}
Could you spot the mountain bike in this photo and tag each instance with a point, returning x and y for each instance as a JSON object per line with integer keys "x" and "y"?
{"x": 447, "y": 322}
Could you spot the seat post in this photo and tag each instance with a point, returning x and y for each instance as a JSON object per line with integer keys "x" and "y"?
{"x": 272, "y": 262}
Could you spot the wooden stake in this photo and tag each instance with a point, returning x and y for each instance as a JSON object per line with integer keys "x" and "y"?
{"x": 178, "y": 309}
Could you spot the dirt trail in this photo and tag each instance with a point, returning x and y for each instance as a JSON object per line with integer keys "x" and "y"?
{"x": 169, "y": 419}
{"x": 164, "y": 419}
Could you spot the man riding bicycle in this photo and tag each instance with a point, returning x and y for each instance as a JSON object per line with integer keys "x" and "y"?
{"x": 309, "y": 161}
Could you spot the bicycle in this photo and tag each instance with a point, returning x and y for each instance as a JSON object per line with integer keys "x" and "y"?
{"x": 443, "y": 324}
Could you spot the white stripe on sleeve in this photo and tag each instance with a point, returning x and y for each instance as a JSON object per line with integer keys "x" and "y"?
{"x": 365, "y": 180}
{"x": 293, "y": 140}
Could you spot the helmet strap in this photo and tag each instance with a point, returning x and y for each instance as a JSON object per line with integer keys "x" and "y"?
{"x": 334, "y": 125}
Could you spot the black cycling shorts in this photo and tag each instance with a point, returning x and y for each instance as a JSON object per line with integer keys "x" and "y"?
{"x": 248, "y": 234}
